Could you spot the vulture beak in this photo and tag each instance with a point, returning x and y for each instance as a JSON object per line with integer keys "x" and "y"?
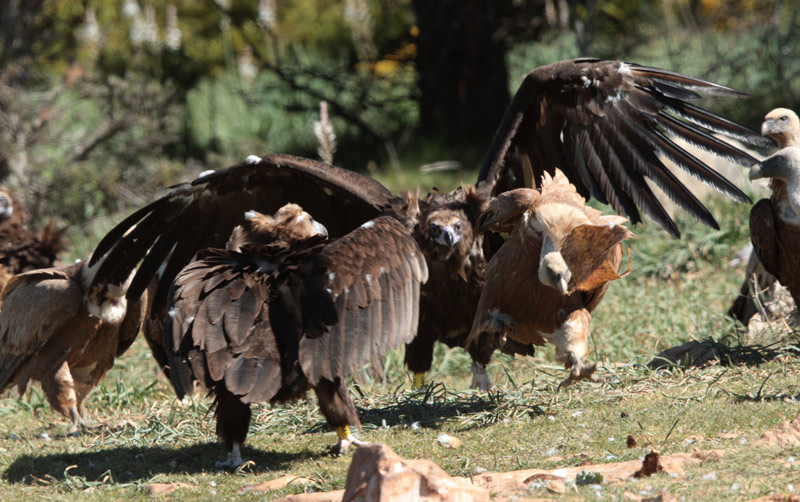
{"x": 553, "y": 270}
{"x": 320, "y": 229}
{"x": 767, "y": 127}
{"x": 774, "y": 166}
{"x": 448, "y": 237}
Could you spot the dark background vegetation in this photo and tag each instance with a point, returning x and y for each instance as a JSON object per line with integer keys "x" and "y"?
{"x": 104, "y": 103}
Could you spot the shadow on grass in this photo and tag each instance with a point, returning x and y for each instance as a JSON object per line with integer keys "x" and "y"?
{"x": 131, "y": 464}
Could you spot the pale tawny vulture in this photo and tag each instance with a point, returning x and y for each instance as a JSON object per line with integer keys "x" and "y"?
{"x": 783, "y": 126}
{"x": 552, "y": 271}
{"x": 50, "y": 333}
{"x": 775, "y": 222}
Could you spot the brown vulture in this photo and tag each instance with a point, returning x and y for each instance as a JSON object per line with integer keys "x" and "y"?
{"x": 288, "y": 309}
{"x": 50, "y": 333}
{"x": 20, "y": 249}
{"x": 605, "y": 124}
{"x": 552, "y": 270}
{"x": 783, "y": 126}
{"x": 775, "y": 222}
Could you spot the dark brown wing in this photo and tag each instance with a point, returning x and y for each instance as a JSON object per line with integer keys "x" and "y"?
{"x": 219, "y": 327}
{"x": 605, "y": 124}
{"x": 374, "y": 276}
{"x": 202, "y": 214}
{"x": 764, "y": 237}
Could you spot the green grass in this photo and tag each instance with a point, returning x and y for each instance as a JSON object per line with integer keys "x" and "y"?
{"x": 677, "y": 290}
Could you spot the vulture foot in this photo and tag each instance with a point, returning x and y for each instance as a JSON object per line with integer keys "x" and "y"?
{"x": 234, "y": 460}
{"x": 419, "y": 381}
{"x": 345, "y": 441}
{"x": 81, "y": 424}
{"x": 480, "y": 379}
{"x": 579, "y": 371}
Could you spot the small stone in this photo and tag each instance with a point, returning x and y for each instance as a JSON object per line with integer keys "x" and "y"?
{"x": 13, "y": 436}
{"x": 631, "y": 441}
{"x": 448, "y": 441}
{"x": 45, "y": 436}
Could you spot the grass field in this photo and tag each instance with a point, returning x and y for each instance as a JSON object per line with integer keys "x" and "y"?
{"x": 677, "y": 290}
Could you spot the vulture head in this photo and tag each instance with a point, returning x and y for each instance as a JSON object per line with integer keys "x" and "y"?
{"x": 783, "y": 165}
{"x": 11, "y": 212}
{"x": 575, "y": 240}
{"x": 289, "y": 223}
{"x": 782, "y": 125}
{"x": 445, "y": 226}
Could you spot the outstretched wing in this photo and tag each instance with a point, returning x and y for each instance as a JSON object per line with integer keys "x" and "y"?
{"x": 605, "y": 124}
{"x": 374, "y": 276}
{"x": 36, "y": 306}
{"x": 202, "y": 214}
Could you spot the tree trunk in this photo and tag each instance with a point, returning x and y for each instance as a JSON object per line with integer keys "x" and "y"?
{"x": 463, "y": 79}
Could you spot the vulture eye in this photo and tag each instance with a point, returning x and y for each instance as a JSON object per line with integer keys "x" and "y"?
{"x": 784, "y": 118}
{"x": 457, "y": 226}
{"x": 435, "y": 230}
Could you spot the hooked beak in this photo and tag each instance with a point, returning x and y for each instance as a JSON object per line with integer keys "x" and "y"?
{"x": 767, "y": 127}
{"x": 448, "y": 237}
{"x": 320, "y": 229}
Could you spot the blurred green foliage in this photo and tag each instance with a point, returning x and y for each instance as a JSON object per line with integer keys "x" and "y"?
{"x": 102, "y": 104}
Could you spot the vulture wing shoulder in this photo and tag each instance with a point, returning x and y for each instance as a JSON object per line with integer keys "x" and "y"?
{"x": 373, "y": 276}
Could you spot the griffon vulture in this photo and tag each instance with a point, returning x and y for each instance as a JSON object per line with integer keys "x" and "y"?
{"x": 551, "y": 272}
{"x": 289, "y": 309}
{"x": 783, "y": 126}
{"x": 775, "y": 222}
{"x": 603, "y": 123}
{"x": 50, "y": 333}
{"x": 20, "y": 249}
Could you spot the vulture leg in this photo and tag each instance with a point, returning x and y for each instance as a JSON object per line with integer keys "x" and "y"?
{"x": 571, "y": 346}
{"x": 758, "y": 282}
{"x": 494, "y": 325}
{"x": 340, "y": 413}
{"x": 481, "y": 353}
{"x": 233, "y": 422}
{"x": 59, "y": 388}
{"x": 419, "y": 358}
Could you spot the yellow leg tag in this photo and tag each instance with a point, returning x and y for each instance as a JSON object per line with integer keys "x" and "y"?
{"x": 343, "y": 431}
{"x": 419, "y": 380}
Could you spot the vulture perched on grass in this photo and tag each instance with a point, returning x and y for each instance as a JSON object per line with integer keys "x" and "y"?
{"x": 783, "y": 126}
{"x": 49, "y": 332}
{"x": 775, "y": 222}
{"x": 20, "y": 249}
{"x": 289, "y": 309}
{"x": 605, "y": 124}
{"x": 553, "y": 269}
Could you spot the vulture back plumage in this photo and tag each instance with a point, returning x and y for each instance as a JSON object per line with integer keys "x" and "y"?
{"x": 267, "y": 322}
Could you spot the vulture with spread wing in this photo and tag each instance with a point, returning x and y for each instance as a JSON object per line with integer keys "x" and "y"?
{"x": 783, "y": 126}
{"x": 50, "y": 333}
{"x": 775, "y": 222}
{"x": 20, "y": 249}
{"x": 553, "y": 269}
{"x": 287, "y": 309}
{"x": 605, "y": 124}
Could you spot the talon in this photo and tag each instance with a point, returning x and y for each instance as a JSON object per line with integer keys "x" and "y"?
{"x": 578, "y": 372}
{"x": 234, "y": 460}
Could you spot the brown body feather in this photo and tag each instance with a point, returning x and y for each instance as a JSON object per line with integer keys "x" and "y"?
{"x": 270, "y": 321}
{"x": 47, "y": 335}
